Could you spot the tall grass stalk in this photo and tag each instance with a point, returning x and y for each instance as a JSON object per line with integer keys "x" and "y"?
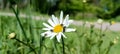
{"x": 32, "y": 49}
{"x": 1, "y": 26}
{"x": 108, "y": 49}
{"x": 16, "y": 12}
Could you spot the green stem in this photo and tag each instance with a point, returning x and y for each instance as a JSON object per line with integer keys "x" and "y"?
{"x": 41, "y": 43}
{"x": 63, "y": 45}
{"x": 16, "y": 14}
{"x": 1, "y": 26}
{"x": 100, "y": 39}
{"x": 55, "y": 47}
{"x": 100, "y": 43}
{"x": 111, "y": 44}
{"x": 27, "y": 45}
{"x": 100, "y": 31}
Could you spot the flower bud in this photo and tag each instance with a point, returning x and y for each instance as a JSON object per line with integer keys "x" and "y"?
{"x": 115, "y": 41}
{"x": 12, "y": 36}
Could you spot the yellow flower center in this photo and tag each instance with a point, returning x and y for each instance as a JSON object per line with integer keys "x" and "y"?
{"x": 58, "y": 28}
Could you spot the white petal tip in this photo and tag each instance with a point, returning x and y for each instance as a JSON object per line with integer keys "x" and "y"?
{"x": 61, "y": 12}
{"x": 70, "y": 21}
{"x": 70, "y": 30}
{"x": 58, "y": 40}
{"x": 74, "y": 29}
{"x": 42, "y": 34}
{"x": 67, "y": 15}
{"x": 65, "y": 37}
{"x": 51, "y": 38}
{"x": 53, "y": 15}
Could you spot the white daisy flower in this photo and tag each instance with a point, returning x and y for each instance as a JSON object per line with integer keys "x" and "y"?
{"x": 57, "y": 27}
{"x": 99, "y": 21}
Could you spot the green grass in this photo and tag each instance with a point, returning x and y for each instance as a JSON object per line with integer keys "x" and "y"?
{"x": 75, "y": 43}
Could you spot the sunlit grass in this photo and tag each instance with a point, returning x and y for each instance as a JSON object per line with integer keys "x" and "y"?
{"x": 75, "y": 43}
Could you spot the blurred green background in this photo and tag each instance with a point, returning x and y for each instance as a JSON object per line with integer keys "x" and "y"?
{"x": 83, "y": 41}
{"x": 105, "y": 9}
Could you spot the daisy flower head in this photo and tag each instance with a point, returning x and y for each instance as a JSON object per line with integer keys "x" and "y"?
{"x": 99, "y": 21}
{"x": 57, "y": 27}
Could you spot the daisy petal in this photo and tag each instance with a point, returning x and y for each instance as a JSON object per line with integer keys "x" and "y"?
{"x": 69, "y": 22}
{"x": 63, "y": 35}
{"x": 55, "y": 20}
{"x": 46, "y": 25}
{"x": 58, "y": 37}
{"x": 45, "y": 33}
{"x": 61, "y": 17}
{"x": 65, "y": 22}
{"x": 53, "y": 35}
{"x": 51, "y": 22}
{"x": 46, "y": 29}
{"x": 70, "y": 30}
